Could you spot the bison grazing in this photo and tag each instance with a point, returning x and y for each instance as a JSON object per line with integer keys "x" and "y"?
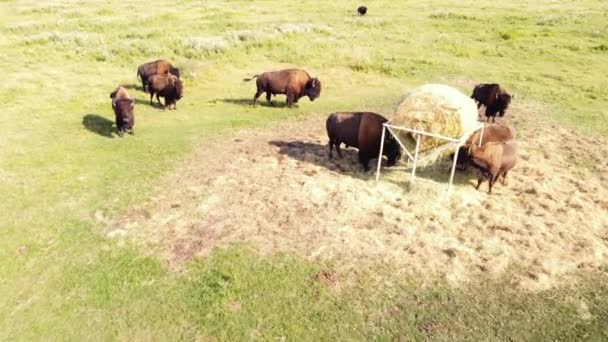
{"x": 493, "y": 160}
{"x": 294, "y": 83}
{"x": 362, "y": 10}
{"x": 491, "y": 133}
{"x": 168, "y": 86}
{"x": 362, "y": 130}
{"x": 493, "y": 97}
{"x": 124, "y": 107}
{"x": 158, "y": 67}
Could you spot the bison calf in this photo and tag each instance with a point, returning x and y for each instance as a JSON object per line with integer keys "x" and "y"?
{"x": 294, "y": 83}
{"x": 168, "y": 86}
{"x": 491, "y": 133}
{"x": 362, "y": 130}
{"x": 158, "y": 67}
{"x": 124, "y": 107}
{"x": 493, "y": 97}
{"x": 493, "y": 160}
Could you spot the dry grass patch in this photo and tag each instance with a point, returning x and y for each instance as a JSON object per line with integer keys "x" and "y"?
{"x": 276, "y": 190}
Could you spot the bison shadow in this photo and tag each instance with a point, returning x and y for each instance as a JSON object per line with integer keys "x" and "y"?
{"x": 98, "y": 124}
{"x": 261, "y": 102}
{"x": 318, "y": 154}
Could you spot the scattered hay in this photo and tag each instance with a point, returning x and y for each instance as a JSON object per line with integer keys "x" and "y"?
{"x": 279, "y": 192}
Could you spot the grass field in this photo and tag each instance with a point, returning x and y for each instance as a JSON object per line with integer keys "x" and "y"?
{"x": 61, "y": 166}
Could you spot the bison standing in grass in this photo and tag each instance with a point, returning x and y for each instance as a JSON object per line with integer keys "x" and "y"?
{"x": 362, "y": 10}
{"x": 158, "y": 67}
{"x": 168, "y": 86}
{"x": 493, "y": 97}
{"x": 362, "y": 130}
{"x": 294, "y": 83}
{"x": 124, "y": 109}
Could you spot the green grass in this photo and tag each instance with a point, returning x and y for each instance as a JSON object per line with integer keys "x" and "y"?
{"x": 62, "y": 59}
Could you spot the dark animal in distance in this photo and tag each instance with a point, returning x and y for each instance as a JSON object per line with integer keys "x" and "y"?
{"x": 124, "y": 110}
{"x": 168, "y": 86}
{"x": 294, "y": 83}
{"x": 494, "y": 97}
{"x": 362, "y": 10}
{"x": 362, "y": 130}
{"x": 491, "y": 133}
{"x": 493, "y": 160}
{"x": 158, "y": 67}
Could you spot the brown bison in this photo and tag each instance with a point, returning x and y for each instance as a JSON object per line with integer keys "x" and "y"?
{"x": 493, "y": 97}
{"x": 493, "y": 160}
{"x": 491, "y": 133}
{"x": 294, "y": 83}
{"x": 158, "y": 67}
{"x": 362, "y": 10}
{"x": 168, "y": 86}
{"x": 362, "y": 130}
{"x": 124, "y": 109}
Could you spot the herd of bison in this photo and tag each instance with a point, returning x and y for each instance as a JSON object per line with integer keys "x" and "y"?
{"x": 363, "y": 130}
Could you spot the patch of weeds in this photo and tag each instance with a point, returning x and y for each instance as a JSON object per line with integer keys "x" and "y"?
{"x": 602, "y": 47}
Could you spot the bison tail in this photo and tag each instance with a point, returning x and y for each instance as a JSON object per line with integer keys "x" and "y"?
{"x": 249, "y": 79}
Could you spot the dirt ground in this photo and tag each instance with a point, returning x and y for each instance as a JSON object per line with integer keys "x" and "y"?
{"x": 276, "y": 190}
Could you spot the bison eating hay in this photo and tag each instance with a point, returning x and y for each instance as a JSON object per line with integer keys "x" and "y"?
{"x": 433, "y": 120}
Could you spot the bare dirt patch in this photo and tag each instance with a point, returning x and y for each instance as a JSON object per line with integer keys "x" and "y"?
{"x": 276, "y": 190}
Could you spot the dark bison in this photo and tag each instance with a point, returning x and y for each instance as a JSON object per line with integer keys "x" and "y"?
{"x": 124, "y": 109}
{"x": 168, "y": 86}
{"x": 493, "y": 97}
{"x": 362, "y": 10}
{"x": 362, "y": 130}
{"x": 158, "y": 67}
{"x": 294, "y": 83}
{"x": 491, "y": 133}
{"x": 493, "y": 160}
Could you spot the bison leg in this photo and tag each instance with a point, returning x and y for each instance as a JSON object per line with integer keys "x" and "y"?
{"x": 151, "y": 96}
{"x": 289, "y": 99}
{"x": 338, "y": 149}
{"x": 158, "y": 99}
{"x": 504, "y": 178}
{"x": 491, "y": 182}
{"x": 255, "y": 97}
{"x": 331, "y": 149}
{"x": 268, "y": 97}
{"x": 365, "y": 162}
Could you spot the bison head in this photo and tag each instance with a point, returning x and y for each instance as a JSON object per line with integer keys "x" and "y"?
{"x": 175, "y": 71}
{"x": 503, "y": 100}
{"x": 177, "y": 86}
{"x": 392, "y": 150}
{"x": 313, "y": 89}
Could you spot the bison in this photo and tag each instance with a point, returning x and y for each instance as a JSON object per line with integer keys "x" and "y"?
{"x": 158, "y": 67}
{"x": 493, "y": 97}
{"x": 124, "y": 109}
{"x": 491, "y": 133}
{"x": 168, "y": 86}
{"x": 493, "y": 160}
{"x": 362, "y": 130}
{"x": 294, "y": 83}
{"x": 362, "y": 10}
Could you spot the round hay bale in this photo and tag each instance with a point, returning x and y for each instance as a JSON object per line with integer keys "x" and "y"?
{"x": 434, "y": 108}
